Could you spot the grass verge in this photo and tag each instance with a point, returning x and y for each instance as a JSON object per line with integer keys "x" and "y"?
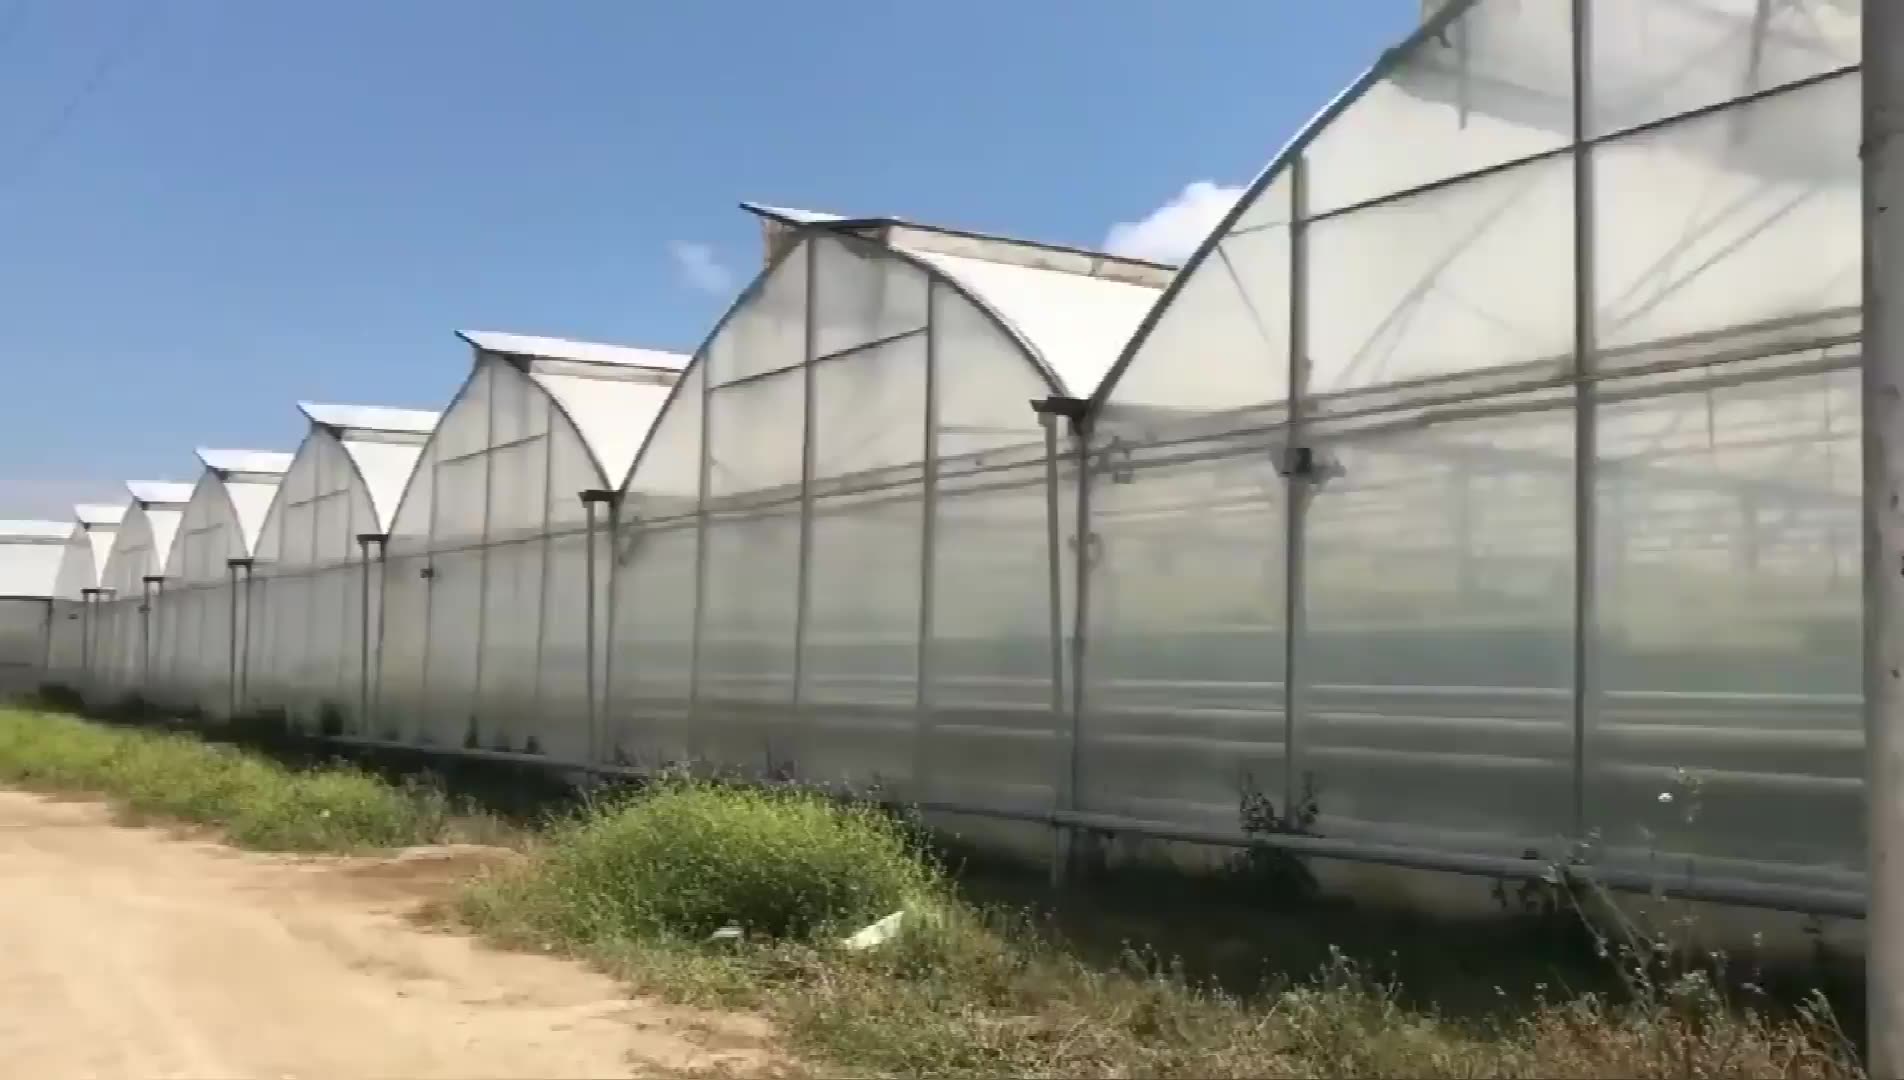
{"x": 257, "y": 802}
{"x": 740, "y": 898}
{"x": 637, "y": 885}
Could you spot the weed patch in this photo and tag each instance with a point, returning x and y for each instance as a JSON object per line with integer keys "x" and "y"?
{"x": 260, "y": 804}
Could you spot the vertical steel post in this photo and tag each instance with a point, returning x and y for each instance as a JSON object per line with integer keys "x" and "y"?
{"x": 244, "y": 649}
{"x": 613, "y": 612}
{"x": 802, "y": 616}
{"x": 231, "y": 641}
{"x": 924, "y": 720}
{"x": 698, "y": 631}
{"x": 363, "y": 631}
{"x": 86, "y": 597}
{"x": 1883, "y": 384}
{"x": 150, "y": 585}
{"x": 383, "y": 605}
{"x": 590, "y": 500}
{"x": 1051, "y": 411}
{"x": 1296, "y": 489}
{"x": 1585, "y": 442}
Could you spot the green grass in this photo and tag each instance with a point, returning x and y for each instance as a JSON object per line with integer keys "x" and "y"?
{"x": 257, "y": 802}
{"x": 636, "y": 884}
{"x": 970, "y": 990}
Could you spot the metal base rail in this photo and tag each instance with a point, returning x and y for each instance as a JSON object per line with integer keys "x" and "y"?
{"x": 1795, "y": 899}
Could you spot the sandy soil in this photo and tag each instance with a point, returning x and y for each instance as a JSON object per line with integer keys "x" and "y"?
{"x": 133, "y": 952}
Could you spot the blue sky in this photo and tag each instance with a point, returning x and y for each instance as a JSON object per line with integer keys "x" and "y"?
{"x": 210, "y": 209}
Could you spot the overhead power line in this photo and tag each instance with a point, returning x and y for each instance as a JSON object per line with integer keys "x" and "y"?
{"x": 144, "y": 18}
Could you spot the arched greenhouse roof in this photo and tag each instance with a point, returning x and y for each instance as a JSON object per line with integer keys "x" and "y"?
{"x": 30, "y": 558}
{"x": 95, "y": 527}
{"x": 146, "y": 532}
{"x": 1683, "y": 173}
{"x": 612, "y": 414}
{"x": 248, "y": 481}
{"x": 1070, "y": 308}
{"x": 381, "y": 443}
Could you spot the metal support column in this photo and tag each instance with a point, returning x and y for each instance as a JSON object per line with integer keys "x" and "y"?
{"x": 152, "y": 583}
{"x": 364, "y": 540}
{"x": 1585, "y": 442}
{"x": 590, "y": 500}
{"x": 1883, "y": 177}
{"x": 1051, "y": 411}
{"x": 231, "y": 638}
{"x": 809, "y": 438}
{"x": 1297, "y": 486}
{"x": 925, "y": 721}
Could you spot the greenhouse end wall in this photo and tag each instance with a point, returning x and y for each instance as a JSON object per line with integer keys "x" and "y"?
{"x": 853, "y": 476}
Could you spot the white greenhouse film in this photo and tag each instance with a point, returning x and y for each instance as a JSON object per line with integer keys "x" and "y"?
{"x": 1557, "y": 531}
{"x": 485, "y": 642}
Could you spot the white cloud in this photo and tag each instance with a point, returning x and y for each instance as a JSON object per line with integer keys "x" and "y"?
{"x": 701, "y": 268}
{"x": 1172, "y": 231}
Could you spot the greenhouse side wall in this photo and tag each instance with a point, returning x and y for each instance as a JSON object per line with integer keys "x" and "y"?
{"x": 1500, "y": 497}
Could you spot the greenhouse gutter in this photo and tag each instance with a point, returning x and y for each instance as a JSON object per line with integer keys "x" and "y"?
{"x": 1797, "y": 899}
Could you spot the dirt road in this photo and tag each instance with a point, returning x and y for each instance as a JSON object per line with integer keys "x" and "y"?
{"x": 129, "y": 952}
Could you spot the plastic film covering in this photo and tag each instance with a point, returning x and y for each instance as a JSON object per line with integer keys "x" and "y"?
{"x": 305, "y": 643}
{"x": 124, "y": 623}
{"x": 853, "y": 586}
{"x": 25, "y": 626}
{"x": 484, "y": 636}
{"x": 1492, "y": 488}
{"x": 200, "y": 613}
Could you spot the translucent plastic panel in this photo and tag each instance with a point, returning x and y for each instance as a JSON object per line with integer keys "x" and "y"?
{"x": 667, "y": 479}
{"x": 462, "y": 490}
{"x": 767, "y": 331}
{"x": 410, "y": 528}
{"x": 870, "y": 409}
{"x": 1436, "y": 702}
{"x": 755, "y": 432}
{"x": 518, "y": 408}
{"x": 560, "y": 722}
{"x": 1492, "y": 87}
{"x": 1270, "y": 208}
{"x": 572, "y": 470}
{"x": 1654, "y": 60}
{"x": 986, "y": 382}
{"x": 863, "y": 295}
{"x": 650, "y": 660}
{"x": 990, "y": 738}
{"x": 752, "y": 584}
{"x": 1729, "y": 616}
{"x": 465, "y": 426}
{"x": 511, "y": 642}
{"x": 1738, "y": 223}
{"x": 403, "y": 649}
{"x": 518, "y": 488}
{"x": 454, "y": 642}
{"x": 1223, "y": 341}
{"x": 1461, "y": 279}
{"x": 1184, "y": 686}
{"x": 862, "y": 642}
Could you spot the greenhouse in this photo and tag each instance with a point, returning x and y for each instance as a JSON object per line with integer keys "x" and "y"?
{"x": 1483, "y": 493}
{"x": 199, "y": 611}
{"x": 314, "y": 586}
{"x": 29, "y": 575}
{"x": 852, "y": 474}
{"x": 76, "y": 586}
{"x": 122, "y": 627}
{"x": 1487, "y": 486}
{"x": 485, "y": 625}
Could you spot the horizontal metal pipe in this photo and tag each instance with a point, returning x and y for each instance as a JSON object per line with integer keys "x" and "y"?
{"x": 1801, "y": 899}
